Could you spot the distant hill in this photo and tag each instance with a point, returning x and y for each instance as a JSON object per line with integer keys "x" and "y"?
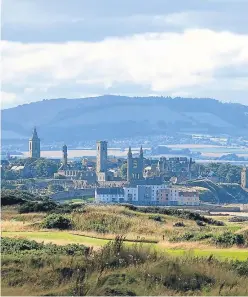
{"x": 117, "y": 116}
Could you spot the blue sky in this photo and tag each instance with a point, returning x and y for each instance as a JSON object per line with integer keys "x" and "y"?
{"x": 79, "y": 48}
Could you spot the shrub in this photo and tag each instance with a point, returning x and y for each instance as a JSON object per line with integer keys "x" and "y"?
{"x": 156, "y": 218}
{"x": 56, "y": 221}
{"x": 188, "y": 236}
{"x": 202, "y": 236}
{"x": 187, "y": 281}
{"x": 229, "y": 239}
{"x": 66, "y": 208}
{"x": 36, "y": 206}
{"x": 238, "y": 219}
{"x": 200, "y": 223}
{"x": 241, "y": 267}
{"x": 12, "y": 197}
{"x": 11, "y": 245}
{"x": 179, "y": 224}
{"x": 130, "y": 206}
{"x": 180, "y": 214}
{"x": 14, "y": 245}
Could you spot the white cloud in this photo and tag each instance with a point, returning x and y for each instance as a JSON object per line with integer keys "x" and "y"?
{"x": 162, "y": 62}
{"x": 7, "y": 98}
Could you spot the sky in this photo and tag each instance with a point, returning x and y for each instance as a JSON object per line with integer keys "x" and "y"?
{"x": 85, "y": 48}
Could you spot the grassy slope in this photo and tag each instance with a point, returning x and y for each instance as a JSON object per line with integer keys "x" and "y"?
{"x": 118, "y": 270}
{"x": 25, "y": 279}
{"x": 119, "y": 220}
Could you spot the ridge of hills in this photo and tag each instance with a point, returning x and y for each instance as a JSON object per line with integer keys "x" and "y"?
{"x": 109, "y": 116}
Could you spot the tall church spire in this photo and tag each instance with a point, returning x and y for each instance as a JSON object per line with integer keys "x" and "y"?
{"x": 35, "y": 135}
{"x": 141, "y": 152}
{"x": 129, "y": 154}
{"x": 34, "y": 145}
{"x": 64, "y": 150}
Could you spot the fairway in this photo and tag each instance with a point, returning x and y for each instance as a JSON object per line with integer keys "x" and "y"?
{"x": 57, "y": 237}
{"x": 63, "y": 237}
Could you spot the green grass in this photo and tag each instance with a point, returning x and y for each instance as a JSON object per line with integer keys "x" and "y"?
{"x": 57, "y": 237}
{"x": 78, "y": 200}
{"x": 221, "y": 254}
{"x": 66, "y": 237}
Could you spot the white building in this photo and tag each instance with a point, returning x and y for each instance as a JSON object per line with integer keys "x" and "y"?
{"x": 109, "y": 195}
{"x": 149, "y": 195}
{"x": 176, "y": 196}
{"x": 143, "y": 194}
{"x": 131, "y": 195}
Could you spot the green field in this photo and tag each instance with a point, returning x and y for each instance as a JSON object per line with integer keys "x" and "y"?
{"x": 63, "y": 237}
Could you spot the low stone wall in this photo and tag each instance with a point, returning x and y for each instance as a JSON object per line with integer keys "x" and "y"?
{"x": 73, "y": 194}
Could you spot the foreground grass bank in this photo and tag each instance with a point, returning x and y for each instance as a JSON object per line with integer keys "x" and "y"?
{"x": 30, "y": 269}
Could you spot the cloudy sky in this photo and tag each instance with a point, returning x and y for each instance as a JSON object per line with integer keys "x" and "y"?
{"x": 80, "y": 48}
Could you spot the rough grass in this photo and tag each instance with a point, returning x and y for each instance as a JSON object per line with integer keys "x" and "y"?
{"x": 119, "y": 269}
{"x": 119, "y": 220}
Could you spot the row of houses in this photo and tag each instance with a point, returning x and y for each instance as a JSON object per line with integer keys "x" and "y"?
{"x": 149, "y": 195}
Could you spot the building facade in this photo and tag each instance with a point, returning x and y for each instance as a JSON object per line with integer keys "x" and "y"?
{"x": 146, "y": 195}
{"x": 109, "y": 195}
{"x": 74, "y": 171}
{"x": 34, "y": 145}
{"x": 179, "y": 167}
{"x": 175, "y": 196}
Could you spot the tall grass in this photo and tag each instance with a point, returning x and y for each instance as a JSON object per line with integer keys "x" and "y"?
{"x": 118, "y": 269}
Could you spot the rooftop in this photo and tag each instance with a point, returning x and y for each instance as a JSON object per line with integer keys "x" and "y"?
{"x": 110, "y": 191}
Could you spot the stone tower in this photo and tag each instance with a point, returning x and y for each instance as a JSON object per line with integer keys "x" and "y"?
{"x": 101, "y": 156}
{"x": 64, "y": 150}
{"x": 135, "y": 166}
{"x": 129, "y": 165}
{"x": 34, "y": 145}
{"x": 244, "y": 178}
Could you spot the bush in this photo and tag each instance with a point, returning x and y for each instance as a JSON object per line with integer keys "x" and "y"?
{"x": 14, "y": 245}
{"x": 238, "y": 219}
{"x": 200, "y": 223}
{"x": 156, "y": 218}
{"x": 36, "y": 206}
{"x": 188, "y": 236}
{"x": 129, "y": 206}
{"x": 11, "y": 245}
{"x": 67, "y": 208}
{"x": 179, "y": 224}
{"x": 240, "y": 266}
{"x": 180, "y": 214}
{"x": 202, "y": 236}
{"x": 12, "y": 197}
{"x": 57, "y": 222}
{"x": 190, "y": 281}
{"x": 228, "y": 239}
